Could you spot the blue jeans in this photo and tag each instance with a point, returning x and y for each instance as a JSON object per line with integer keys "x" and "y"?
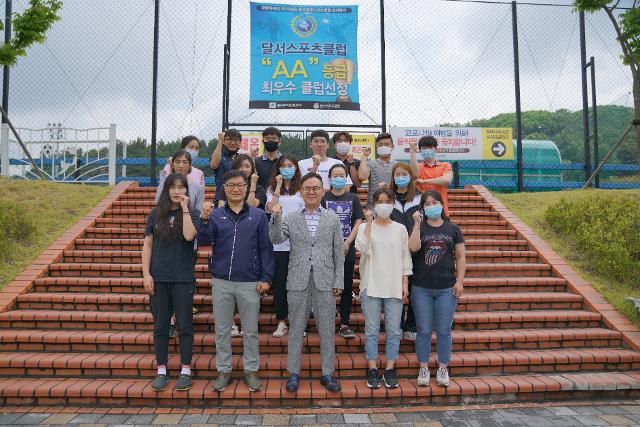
{"x": 371, "y": 307}
{"x": 433, "y": 307}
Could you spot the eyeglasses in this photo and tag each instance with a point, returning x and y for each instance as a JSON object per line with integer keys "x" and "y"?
{"x": 235, "y": 186}
{"x": 311, "y": 189}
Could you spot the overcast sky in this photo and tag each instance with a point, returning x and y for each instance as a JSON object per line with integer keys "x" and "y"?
{"x": 445, "y": 62}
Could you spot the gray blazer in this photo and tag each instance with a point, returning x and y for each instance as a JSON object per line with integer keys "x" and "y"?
{"x": 326, "y": 254}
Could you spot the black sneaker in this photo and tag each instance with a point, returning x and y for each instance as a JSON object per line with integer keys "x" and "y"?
{"x": 160, "y": 383}
{"x": 184, "y": 382}
{"x": 172, "y": 331}
{"x": 346, "y": 332}
{"x": 373, "y": 378}
{"x": 390, "y": 378}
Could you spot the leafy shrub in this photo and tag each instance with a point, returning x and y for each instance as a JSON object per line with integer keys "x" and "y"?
{"x": 606, "y": 230}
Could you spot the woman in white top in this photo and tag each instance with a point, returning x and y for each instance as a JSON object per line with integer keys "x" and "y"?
{"x": 283, "y": 190}
{"x": 385, "y": 267}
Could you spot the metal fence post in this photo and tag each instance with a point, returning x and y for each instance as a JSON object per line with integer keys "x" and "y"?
{"x": 4, "y": 149}
{"x": 112, "y": 154}
{"x": 516, "y": 71}
{"x": 585, "y": 100}
{"x": 456, "y": 175}
{"x": 124, "y": 156}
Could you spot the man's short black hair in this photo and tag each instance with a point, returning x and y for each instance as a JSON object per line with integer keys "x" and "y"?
{"x": 384, "y": 135}
{"x": 272, "y": 131}
{"x": 308, "y": 176}
{"x": 427, "y": 141}
{"x": 233, "y": 134}
{"x": 321, "y": 133}
{"x": 233, "y": 173}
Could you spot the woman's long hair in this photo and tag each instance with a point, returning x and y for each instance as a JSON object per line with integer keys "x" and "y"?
{"x": 411, "y": 189}
{"x": 294, "y": 184}
{"x": 166, "y": 226}
{"x": 435, "y": 195}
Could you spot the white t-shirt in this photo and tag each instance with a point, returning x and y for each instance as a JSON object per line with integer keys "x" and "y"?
{"x": 289, "y": 204}
{"x": 323, "y": 170}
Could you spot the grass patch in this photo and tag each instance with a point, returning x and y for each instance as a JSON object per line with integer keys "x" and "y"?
{"x": 33, "y": 214}
{"x": 531, "y": 208}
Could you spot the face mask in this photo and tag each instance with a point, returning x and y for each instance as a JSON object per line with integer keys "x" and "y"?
{"x": 343, "y": 148}
{"x": 433, "y": 212}
{"x": 271, "y": 146}
{"x": 402, "y": 181}
{"x": 193, "y": 153}
{"x": 383, "y": 210}
{"x": 287, "y": 173}
{"x": 338, "y": 183}
{"x": 428, "y": 154}
{"x": 383, "y": 151}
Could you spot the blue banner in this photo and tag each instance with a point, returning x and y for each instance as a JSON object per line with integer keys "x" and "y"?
{"x": 304, "y": 57}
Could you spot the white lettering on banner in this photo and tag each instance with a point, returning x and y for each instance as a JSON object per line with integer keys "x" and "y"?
{"x": 464, "y": 143}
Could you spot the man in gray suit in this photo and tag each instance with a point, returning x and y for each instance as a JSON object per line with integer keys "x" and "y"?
{"x": 316, "y": 264}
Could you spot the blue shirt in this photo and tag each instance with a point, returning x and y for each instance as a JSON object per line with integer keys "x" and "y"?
{"x": 226, "y": 160}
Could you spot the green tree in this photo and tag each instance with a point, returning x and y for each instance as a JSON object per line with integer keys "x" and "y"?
{"x": 29, "y": 27}
{"x": 626, "y": 23}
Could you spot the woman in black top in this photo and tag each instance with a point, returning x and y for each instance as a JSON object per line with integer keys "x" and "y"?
{"x": 406, "y": 203}
{"x": 168, "y": 260}
{"x": 438, "y": 272}
{"x": 348, "y": 207}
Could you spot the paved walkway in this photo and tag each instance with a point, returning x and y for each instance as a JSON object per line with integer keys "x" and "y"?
{"x": 582, "y": 414}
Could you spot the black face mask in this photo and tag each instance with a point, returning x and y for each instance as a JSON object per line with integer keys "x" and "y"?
{"x": 271, "y": 146}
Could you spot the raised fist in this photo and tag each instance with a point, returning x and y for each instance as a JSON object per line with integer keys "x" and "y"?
{"x": 316, "y": 160}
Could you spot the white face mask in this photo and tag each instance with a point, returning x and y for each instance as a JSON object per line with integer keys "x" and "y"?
{"x": 384, "y": 150}
{"x": 343, "y": 148}
{"x": 383, "y": 210}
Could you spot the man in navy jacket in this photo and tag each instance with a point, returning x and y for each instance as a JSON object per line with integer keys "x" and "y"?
{"x": 242, "y": 269}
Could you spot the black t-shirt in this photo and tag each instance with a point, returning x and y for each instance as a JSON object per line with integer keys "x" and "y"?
{"x": 265, "y": 168}
{"x": 172, "y": 261}
{"x": 405, "y": 218}
{"x": 356, "y": 163}
{"x": 434, "y": 264}
{"x": 349, "y": 210}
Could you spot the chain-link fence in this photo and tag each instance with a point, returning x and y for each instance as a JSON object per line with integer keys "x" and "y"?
{"x": 447, "y": 63}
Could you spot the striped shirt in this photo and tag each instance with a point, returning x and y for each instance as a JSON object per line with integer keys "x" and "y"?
{"x": 379, "y": 172}
{"x": 313, "y": 219}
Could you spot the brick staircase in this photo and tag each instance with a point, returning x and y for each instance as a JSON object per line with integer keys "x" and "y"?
{"x": 75, "y": 327}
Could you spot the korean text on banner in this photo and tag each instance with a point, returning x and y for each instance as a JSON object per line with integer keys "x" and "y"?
{"x": 304, "y": 57}
{"x": 361, "y": 141}
{"x": 460, "y": 143}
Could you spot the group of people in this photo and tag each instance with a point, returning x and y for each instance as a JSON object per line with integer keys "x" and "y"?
{"x": 295, "y": 226}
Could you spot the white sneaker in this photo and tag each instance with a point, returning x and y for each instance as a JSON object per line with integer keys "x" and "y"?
{"x": 409, "y": 335}
{"x": 281, "y": 331}
{"x": 442, "y": 377}
{"x": 236, "y": 332}
{"x": 424, "y": 376}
